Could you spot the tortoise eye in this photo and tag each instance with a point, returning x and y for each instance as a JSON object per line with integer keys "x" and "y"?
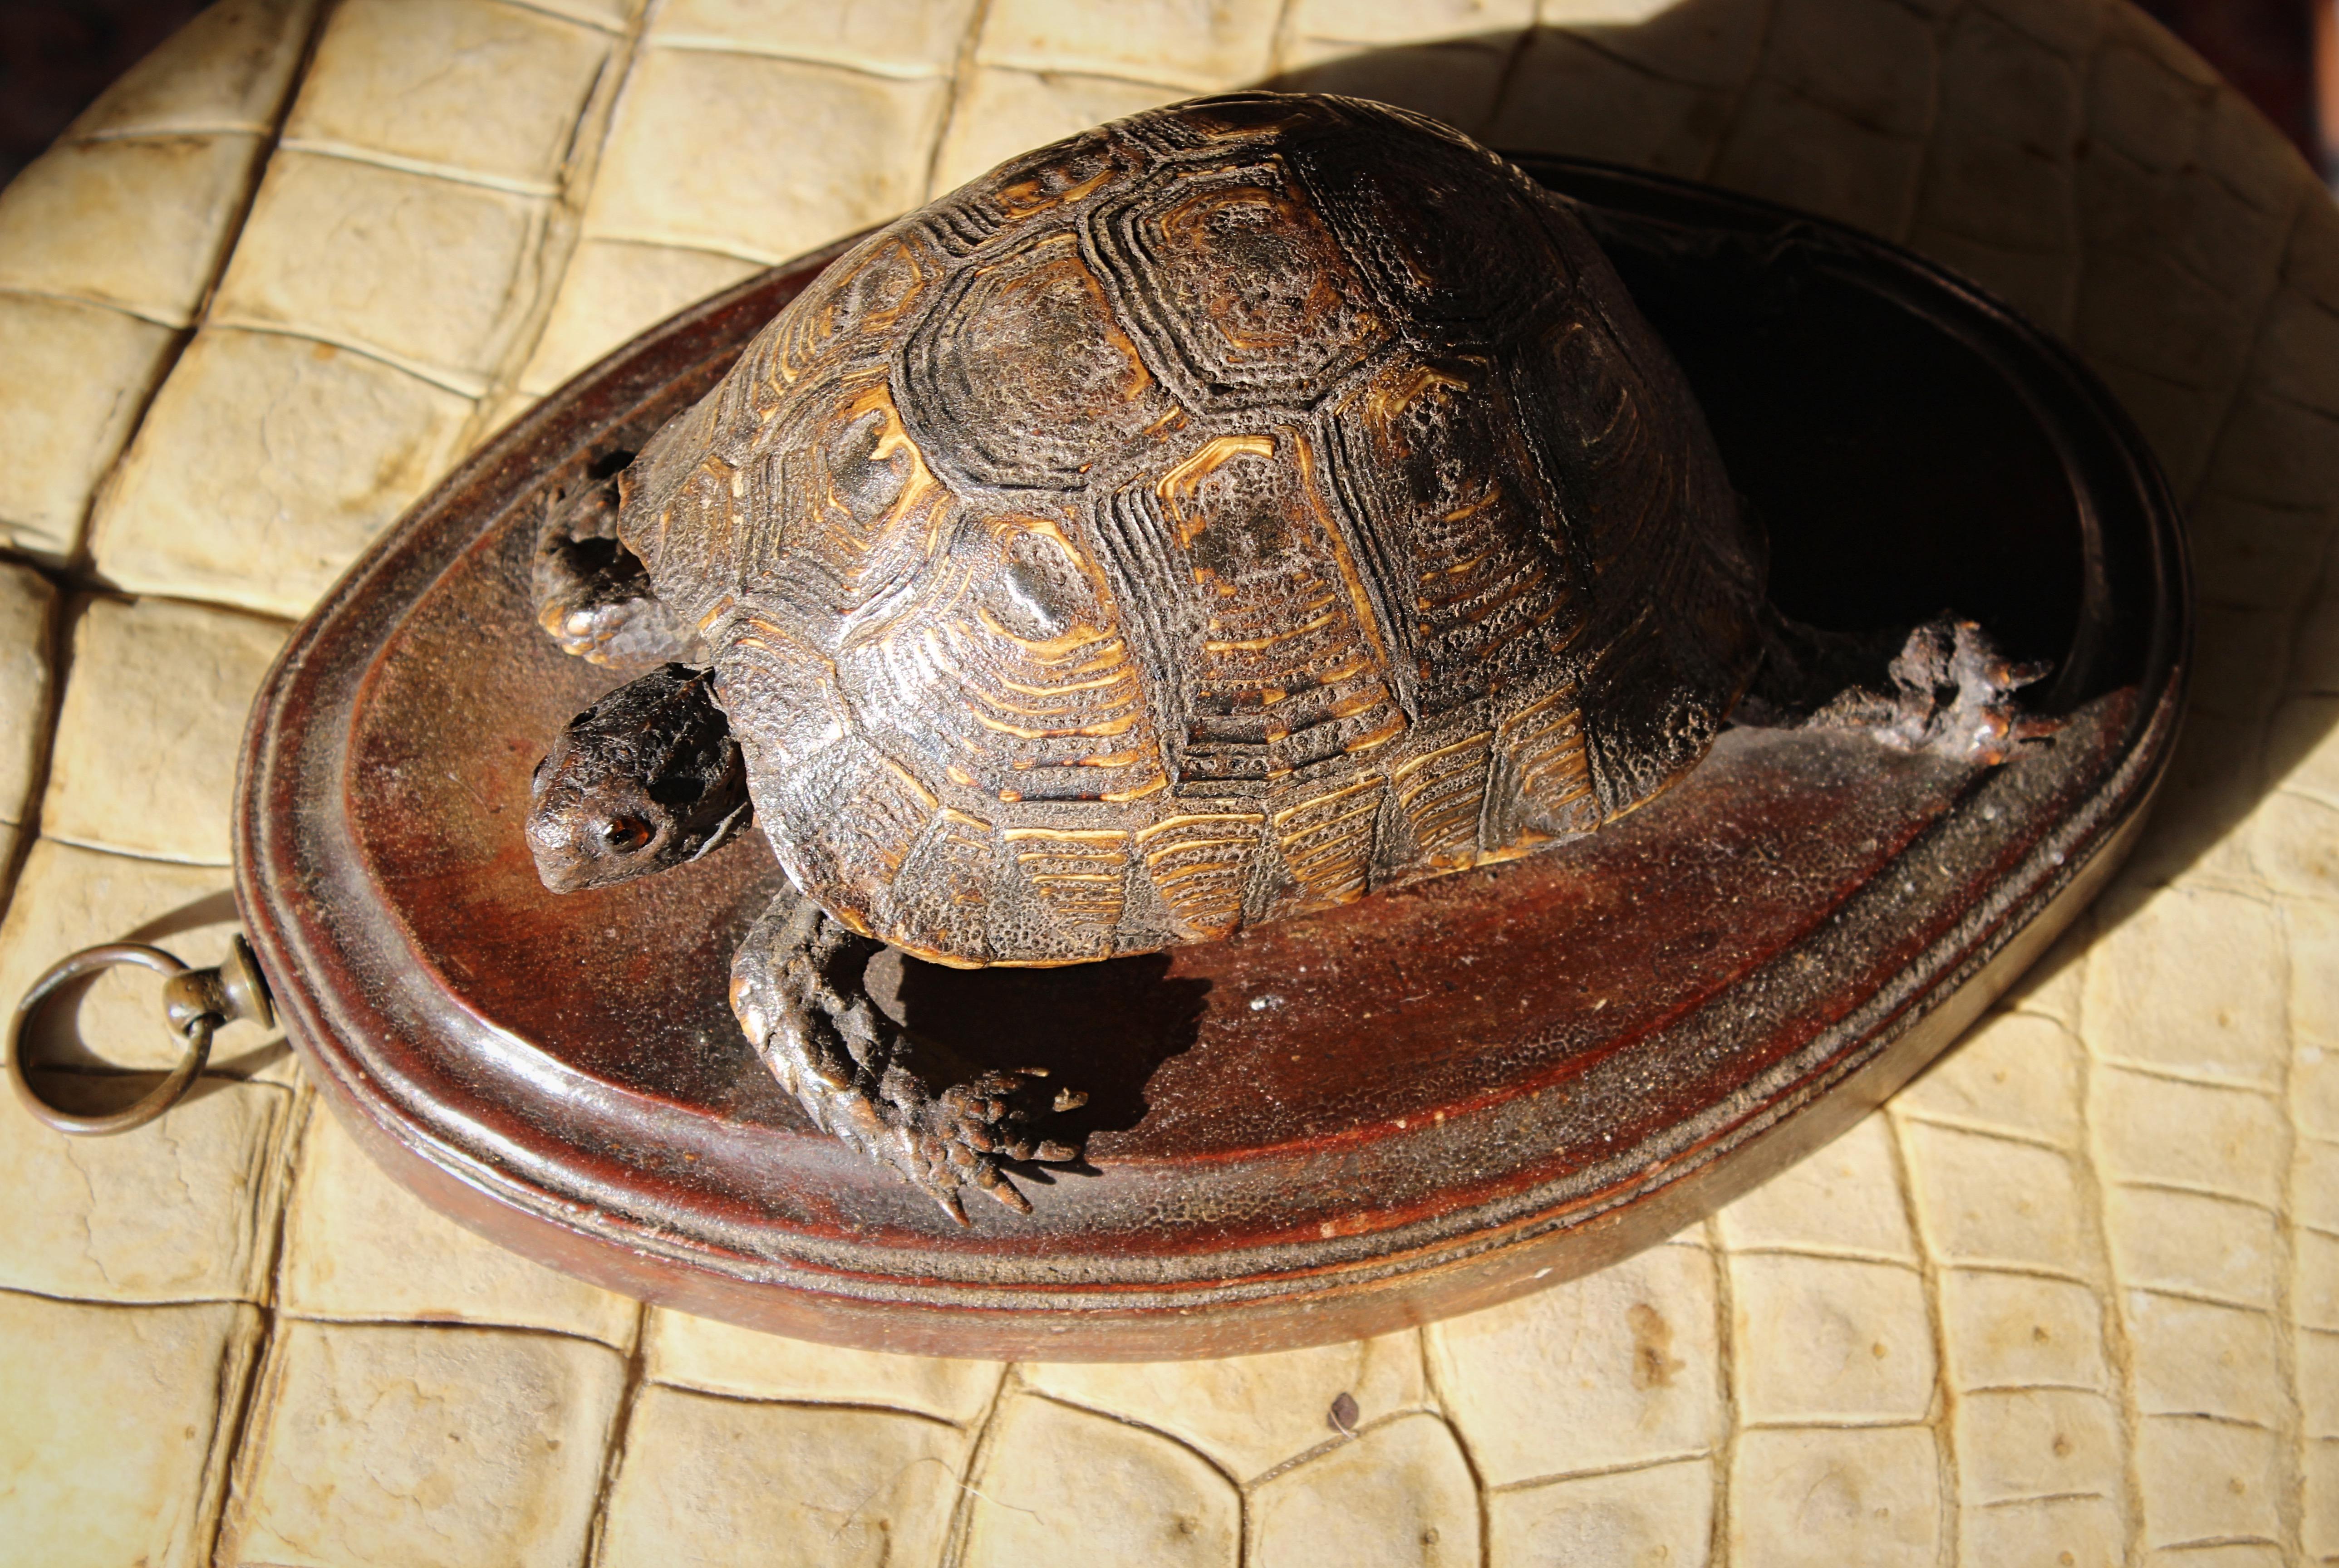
{"x": 624, "y": 833}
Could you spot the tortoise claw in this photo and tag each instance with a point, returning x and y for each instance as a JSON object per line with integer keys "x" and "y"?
{"x": 991, "y": 1181}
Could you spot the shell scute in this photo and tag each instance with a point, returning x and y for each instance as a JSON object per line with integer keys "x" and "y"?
{"x": 845, "y": 510}
{"x": 1450, "y": 238}
{"x": 1277, "y": 651}
{"x": 846, "y": 316}
{"x": 1200, "y": 864}
{"x": 1080, "y": 876}
{"x": 1024, "y": 373}
{"x": 939, "y": 904}
{"x": 1246, "y": 298}
{"x": 1480, "y": 589}
{"x": 1011, "y": 674}
{"x": 1326, "y": 840}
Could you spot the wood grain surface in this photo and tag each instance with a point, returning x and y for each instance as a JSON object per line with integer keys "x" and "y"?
{"x": 2072, "y": 1298}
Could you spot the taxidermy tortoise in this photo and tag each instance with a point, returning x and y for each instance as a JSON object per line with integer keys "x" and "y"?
{"x": 1216, "y": 517}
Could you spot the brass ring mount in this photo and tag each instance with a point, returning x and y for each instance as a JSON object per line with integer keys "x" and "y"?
{"x": 196, "y": 1002}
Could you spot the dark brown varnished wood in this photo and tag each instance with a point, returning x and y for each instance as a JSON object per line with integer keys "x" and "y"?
{"x": 1332, "y": 1126}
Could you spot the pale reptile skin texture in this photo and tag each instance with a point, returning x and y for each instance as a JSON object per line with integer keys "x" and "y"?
{"x": 2073, "y": 1294}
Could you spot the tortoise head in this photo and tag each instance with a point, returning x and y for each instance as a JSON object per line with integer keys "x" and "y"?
{"x": 647, "y": 778}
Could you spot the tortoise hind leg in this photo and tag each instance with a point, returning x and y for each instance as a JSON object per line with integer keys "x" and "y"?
{"x": 593, "y": 595}
{"x": 797, "y": 989}
{"x": 1943, "y": 685}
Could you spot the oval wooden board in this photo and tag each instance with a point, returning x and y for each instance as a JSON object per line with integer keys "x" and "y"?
{"x": 1421, "y": 1104}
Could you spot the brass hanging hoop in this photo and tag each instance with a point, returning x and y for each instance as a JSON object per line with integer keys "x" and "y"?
{"x": 195, "y": 1000}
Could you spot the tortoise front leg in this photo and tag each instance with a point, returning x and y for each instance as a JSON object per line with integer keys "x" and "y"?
{"x": 593, "y": 595}
{"x": 797, "y": 989}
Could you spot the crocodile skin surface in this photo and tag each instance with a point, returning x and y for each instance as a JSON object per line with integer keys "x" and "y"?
{"x": 2071, "y": 1299}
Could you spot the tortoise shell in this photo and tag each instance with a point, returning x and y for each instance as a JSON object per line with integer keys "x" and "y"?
{"x": 1214, "y": 517}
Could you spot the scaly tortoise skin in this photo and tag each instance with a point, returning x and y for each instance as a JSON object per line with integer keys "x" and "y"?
{"x": 1212, "y": 517}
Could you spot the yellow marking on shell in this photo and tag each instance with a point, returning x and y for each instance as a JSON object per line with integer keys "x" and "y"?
{"x": 1055, "y": 648}
{"x": 1327, "y": 841}
{"x": 1381, "y": 737}
{"x": 1537, "y": 709}
{"x": 1213, "y": 455}
{"x": 811, "y": 329}
{"x": 1193, "y": 819}
{"x": 1400, "y": 775}
{"x": 1079, "y": 873}
{"x": 1513, "y": 590}
{"x": 1260, "y": 645}
{"x": 1287, "y": 813}
{"x": 761, "y": 627}
{"x": 958, "y": 775}
{"x": 1457, "y": 569}
{"x": 953, "y": 667}
{"x": 1105, "y": 730}
{"x": 1007, "y": 525}
{"x": 1027, "y": 710}
{"x": 1025, "y": 200}
{"x": 1357, "y": 665}
{"x": 1153, "y": 785}
{"x": 1200, "y": 863}
{"x": 926, "y": 954}
{"x": 1443, "y": 793}
{"x": 1122, "y": 672}
{"x": 1385, "y": 400}
{"x": 1545, "y": 741}
{"x": 1526, "y": 844}
{"x": 1488, "y": 494}
{"x": 1357, "y": 597}
{"x": 892, "y": 437}
{"x": 926, "y": 796}
{"x": 1180, "y": 878}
